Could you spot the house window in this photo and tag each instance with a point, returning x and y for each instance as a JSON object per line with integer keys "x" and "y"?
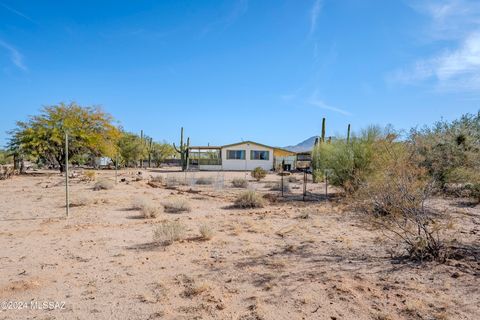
{"x": 235, "y": 154}
{"x": 259, "y": 155}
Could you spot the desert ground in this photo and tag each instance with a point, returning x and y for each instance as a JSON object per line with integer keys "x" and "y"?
{"x": 291, "y": 259}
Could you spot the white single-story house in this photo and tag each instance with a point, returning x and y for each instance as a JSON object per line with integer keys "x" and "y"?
{"x": 241, "y": 156}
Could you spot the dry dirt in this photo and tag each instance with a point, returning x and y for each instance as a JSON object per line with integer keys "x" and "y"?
{"x": 288, "y": 260}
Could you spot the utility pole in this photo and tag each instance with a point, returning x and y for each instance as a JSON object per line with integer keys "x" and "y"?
{"x": 67, "y": 200}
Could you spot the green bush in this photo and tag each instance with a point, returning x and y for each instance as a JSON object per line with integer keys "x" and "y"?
{"x": 258, "y": 173}
{"x": 450, "y": 151}
{"x": 348, "y": 164}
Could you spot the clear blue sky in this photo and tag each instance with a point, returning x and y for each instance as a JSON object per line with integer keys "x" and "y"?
{"x": 228, "y": 70}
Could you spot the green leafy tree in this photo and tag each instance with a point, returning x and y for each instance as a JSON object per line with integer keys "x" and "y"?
{"x": 5, "y": 157}
{"x": 132, "y": 148}
{"x": 161, "y": 151}
{"x": 90, "y": 130}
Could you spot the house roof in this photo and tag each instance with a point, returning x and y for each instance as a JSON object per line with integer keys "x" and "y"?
{"x": 205, "y": 147}
{"x": 236, "y": 144}
{"x": 258, "y": 144}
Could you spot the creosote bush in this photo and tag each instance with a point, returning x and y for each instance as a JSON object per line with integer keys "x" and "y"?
{"x": 206, "y": 232}
{"x": 147, "y": 207}
{"x": 394, "y": 197}
{"x": 168, "y": 232}
{"x": 240, "y": 183}
{"x": 249, "y": 199}
{"x": 177, "y": 206}
{"x": 258, "y": 173}
{"x": 103, "y": 184}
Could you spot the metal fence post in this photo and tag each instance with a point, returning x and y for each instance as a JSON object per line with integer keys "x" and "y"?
{"x": 67, "y": 200}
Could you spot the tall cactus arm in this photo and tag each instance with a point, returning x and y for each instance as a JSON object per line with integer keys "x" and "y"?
{"x": 176, "y": 149}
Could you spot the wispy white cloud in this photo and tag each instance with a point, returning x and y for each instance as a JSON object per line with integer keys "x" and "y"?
{"x": 449, "y": 19}
{"x": 18, "y": 13}
{"x": 457, "y": 69}
{"x": 314, "y": 14}
{"x": 15, "y": 56}
{"x": 317, "y": 102}
{"x": 457, "y": 66}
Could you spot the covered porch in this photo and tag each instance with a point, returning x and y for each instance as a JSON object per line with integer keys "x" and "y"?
{"x": 205, "y": 158}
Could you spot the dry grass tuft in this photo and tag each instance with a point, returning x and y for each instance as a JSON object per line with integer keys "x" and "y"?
{"x": 206, "y": 232}
{"x": 147, "y": 207}
{"x": 239, "y": 183}
{"x": 193, "y": 290}
{"x": 80, "y": 201}
{"x": 249, "y": 199}
{"x": 177, "y": 205}
{"x": 103, "y": 184}
{"x": 89, "y": 175}
{"x": 169, "y": 232}
{"x": 277, "y": 186}
{"x": 157, "y": 179}
{"x": 173, "y": 182}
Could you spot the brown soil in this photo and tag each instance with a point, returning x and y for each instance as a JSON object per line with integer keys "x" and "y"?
{"x": 288, "y": 260}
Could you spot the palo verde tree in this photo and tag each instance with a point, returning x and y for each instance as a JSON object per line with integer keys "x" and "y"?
{"x": 91, "y": 131}
{"x": 132, "y": 148}
{"x": 161, "y": 151}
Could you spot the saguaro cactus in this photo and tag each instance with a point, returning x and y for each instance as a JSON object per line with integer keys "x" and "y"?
{"x": 348, "y": 133}
{"x": 183, "y": 150}
{"x": 323, "y": 129}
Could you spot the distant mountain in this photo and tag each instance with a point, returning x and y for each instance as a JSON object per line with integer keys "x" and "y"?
{"x": 303, "y": 146}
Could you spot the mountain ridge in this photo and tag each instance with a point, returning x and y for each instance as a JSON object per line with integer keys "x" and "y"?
{"x": 305, "y": 145}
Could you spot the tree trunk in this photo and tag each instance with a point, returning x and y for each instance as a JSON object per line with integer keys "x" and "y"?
{"x": 22, "y": 166}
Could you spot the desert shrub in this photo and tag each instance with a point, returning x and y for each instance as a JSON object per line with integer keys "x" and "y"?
{"x": 240, "y": 183}
{"x": 157, "y": 179}
{"x": 5, "y": 157}
{"x": 80, "y": 201}
{"x": 292, "y": 179}
{"x": 103, "y": 184}
{"x": 90, "y": 175}
{"x": 349, "y": 163}
{"x": 475, "y": 191}
{"x": 204, "y": 181}
{"x": 249, "y": 199}
{"x": 395, "y": 199}
{"x": 206, "y": 232}
{"x": 447, "y": 146}
{"x": 6, "y": 171}
{"x": 258, "y": 173}
{"x": 172, "y": 182}
{"x": 277, "y": 186}
{"x": 169, "y": 232}
{"x": 147, "y": 207}
{"x": 467, "y": 181}
{"x": 177, "y": 206}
